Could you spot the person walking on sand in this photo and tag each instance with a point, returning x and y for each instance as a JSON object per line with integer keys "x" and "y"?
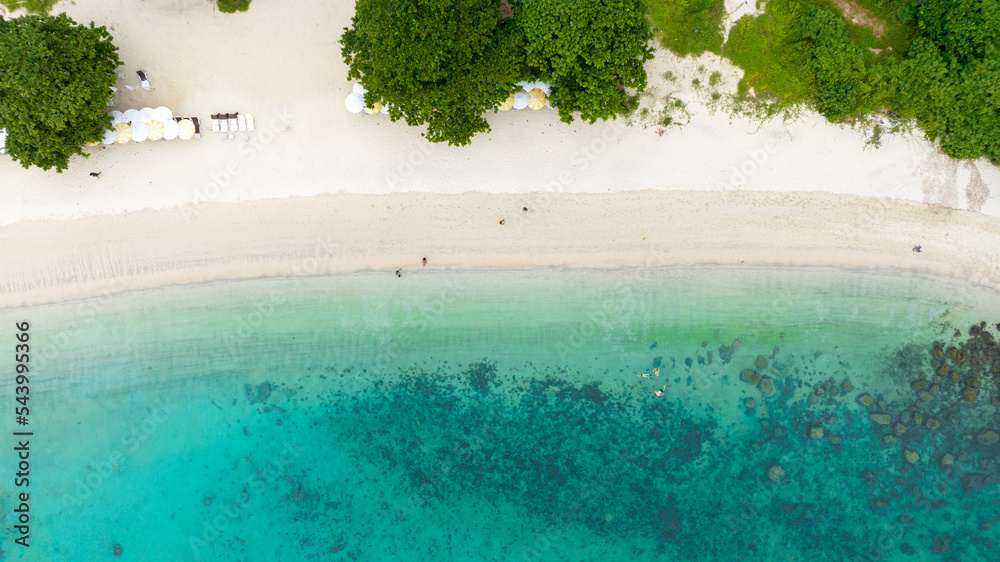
{"x": 425, "y": 262}
{"x": 398, "y": 273}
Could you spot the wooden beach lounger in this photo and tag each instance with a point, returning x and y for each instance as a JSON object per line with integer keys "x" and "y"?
{"x": 224, "y": 122}
{"x": 233, "y": 123}
{"x": 215, "y": 123}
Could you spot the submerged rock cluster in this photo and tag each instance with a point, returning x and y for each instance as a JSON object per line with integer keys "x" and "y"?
{"x": 257, "y": 394}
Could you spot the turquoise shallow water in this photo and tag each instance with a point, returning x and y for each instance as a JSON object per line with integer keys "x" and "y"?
{"x": 500, "y": 416}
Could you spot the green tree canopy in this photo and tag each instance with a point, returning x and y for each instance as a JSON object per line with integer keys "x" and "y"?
{"x": 950, "y": 79}
{"x": 55, "y": 80}
{"x": 439, "y": 62}
{"x": 589, "y": 50}
{"x": 843, "y": 84}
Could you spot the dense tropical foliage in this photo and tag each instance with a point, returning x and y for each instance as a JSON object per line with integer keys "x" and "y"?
{"x": 439, "y": 62}
{"x": 591, "y": 51}
{"x": 937, "y": 61}
{"x": 55, "y": 80}
{"x": 444, "y": 63}
{"x": 688, "y": 27}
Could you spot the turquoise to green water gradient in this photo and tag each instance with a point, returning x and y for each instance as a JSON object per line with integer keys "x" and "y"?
{"x": 807, "y": 414}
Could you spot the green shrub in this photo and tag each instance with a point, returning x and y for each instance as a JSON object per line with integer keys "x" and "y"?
{"x": 761, "y": 46}
{"x": 949, "y": 80}
{"x": 843, "y": 86}
{"x": 688, "y": 27}
{"x": 32, "y": 6}
{"x": 232, "y": 6}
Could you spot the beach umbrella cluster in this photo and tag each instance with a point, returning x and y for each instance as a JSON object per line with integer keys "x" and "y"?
{"x": 533, "y": 95}
{"x": 154, "y": 124}
{"x": 355, "y": 102}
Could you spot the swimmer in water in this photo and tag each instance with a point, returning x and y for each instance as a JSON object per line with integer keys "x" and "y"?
{"x": 656, "y": 372}
{"x": 660, "y": 392}
{"x": 644, "y": 375}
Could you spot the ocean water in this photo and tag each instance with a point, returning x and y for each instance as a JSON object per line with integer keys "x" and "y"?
{"x": 803, "y": 414}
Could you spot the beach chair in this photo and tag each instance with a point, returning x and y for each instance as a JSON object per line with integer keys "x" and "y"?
{"x": 121, "y": 75}
{"x": 143, "y": 79}
{"x": 250, "y": 126}
{"x": 242, "y": 122}
{"x": 197, "y": 127}
{"x": 224, "y": 122}
{"x": 233, "y": 122}
{"x": 129, "y": 88}
{"x": 215, "y": 123}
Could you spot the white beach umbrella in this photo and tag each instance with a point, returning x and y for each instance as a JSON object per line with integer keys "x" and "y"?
{"x": 185, "y": 129}
{"x": 376, "y": 108}
{"x": 170, "y": 130}
{"x": 155, "y": 129}
{"x": 110, "y": 136}
{"x": 129, "y": 115}
{"x": 163, "y": 114}
{"x": 523, "y": 85}
{"x": 3, "y": 141}
{"x": 123, "y": 133}
{"x": 536, "y": 99}
{"x": 355, "y": 103}
{"x": 140, "y": 131}
{"x": 145, "y": 114}
{"x": 359, "y": 89}
{"x": 116, "y": 117}
{"x": 505, "y": 106}
{"x": 543, "y": 86}
{"x": 521, "y": 100}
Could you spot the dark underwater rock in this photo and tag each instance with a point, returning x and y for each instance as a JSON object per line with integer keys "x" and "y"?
{"x": 257, "y": 394}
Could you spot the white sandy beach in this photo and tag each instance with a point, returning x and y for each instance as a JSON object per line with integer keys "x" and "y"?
{"x": 717, "y": 190}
